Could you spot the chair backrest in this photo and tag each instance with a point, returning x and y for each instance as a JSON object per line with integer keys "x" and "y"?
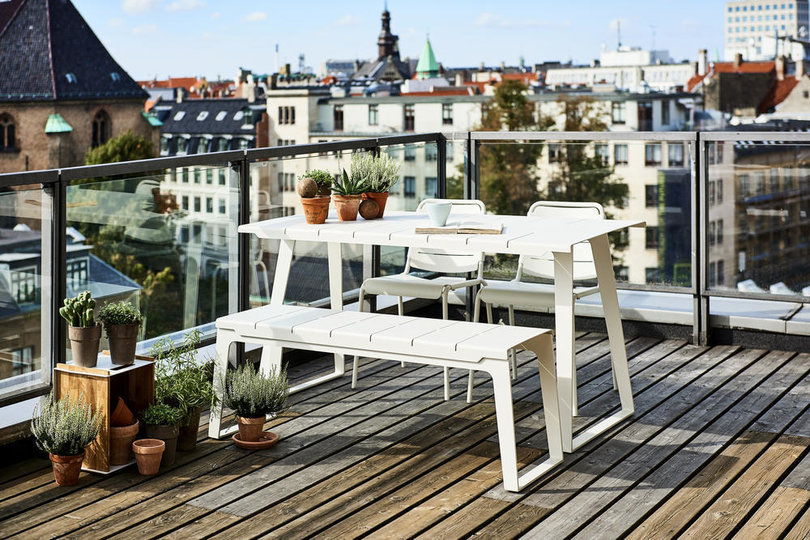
{"x": 543, "y": 266}
{"x": 440, "y": 260}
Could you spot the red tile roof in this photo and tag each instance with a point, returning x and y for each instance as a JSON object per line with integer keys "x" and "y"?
{"x": 729, "y": 67}
{"x": 777, "y": 94}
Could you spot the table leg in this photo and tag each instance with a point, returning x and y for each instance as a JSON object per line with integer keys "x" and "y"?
{"x": 335, "y": 256}
{"x": 564, "y": 338}
{"x": 283, "y": 264}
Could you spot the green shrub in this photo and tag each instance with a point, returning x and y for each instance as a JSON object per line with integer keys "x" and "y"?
{"x": 64, "y": 427}
{"x": 321, "y": 177}
{"x": 119, "y": 313}
{"x": 251, "y": 394}
{"x": 161, "y": 414}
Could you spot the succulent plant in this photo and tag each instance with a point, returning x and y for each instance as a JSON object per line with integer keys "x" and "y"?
{"x": 350, "y": 185}
{"x": 78, "y": 311}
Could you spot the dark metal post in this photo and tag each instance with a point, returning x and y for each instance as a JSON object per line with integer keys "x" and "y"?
{"x": 441, "y": 166}
{"x": 700, "y": 305}
{"x": 242, "y": 169}
{"x": 58, "y": 270}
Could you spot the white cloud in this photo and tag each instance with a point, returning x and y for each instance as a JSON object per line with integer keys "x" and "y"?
{"x": 347, "y": 21}
{"x": 216, "y": 15}
{"x": 116, "y": 22}
{"x": 256, "y": 16}
{"x": 139, "y": 6}
{"x": 144, "y": 29}
{"x": 185, "y": 5}
{"x": 491, "y": 20}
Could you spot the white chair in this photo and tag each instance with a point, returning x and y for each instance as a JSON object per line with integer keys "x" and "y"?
{"x": 540, "y": 295}
{"x": 432, "y": 260}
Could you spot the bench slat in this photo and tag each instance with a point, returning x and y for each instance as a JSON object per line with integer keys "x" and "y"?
{"x": 400, "y": 338}
{"x": 446, "y": 340}
{"x": 284, "y": 327}
{"x": 250, "y": 318}
{"x": 491, "y": 344}
{"x": 322, "y": 329}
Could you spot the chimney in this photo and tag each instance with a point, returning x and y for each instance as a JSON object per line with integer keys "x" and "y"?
{"x": 702, "y": 62}
{"x": 459, "y": 79}
{"x": 738, "y": 60}
{"x": 780, "y": 68}
{"x": 799, "y": 68}
{"x": 503, "y": 65}
{"x": 178, "y": 94}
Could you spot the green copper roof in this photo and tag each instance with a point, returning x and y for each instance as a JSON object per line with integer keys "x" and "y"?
{"x": 153, "y": 121}
{"x": 57, "y": 124}
{"x": 427, "y": 66}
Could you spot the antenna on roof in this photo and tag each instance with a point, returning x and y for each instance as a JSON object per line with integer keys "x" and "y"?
{"x": 618, "y": 34}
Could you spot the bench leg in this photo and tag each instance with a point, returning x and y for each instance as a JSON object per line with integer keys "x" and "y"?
{"x": 224, "y": 340}
{"x": 505, "y": 416}
{"x": 564, "y": 337}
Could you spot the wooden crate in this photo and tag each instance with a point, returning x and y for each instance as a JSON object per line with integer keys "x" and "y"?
{"x": 101, "y": 386}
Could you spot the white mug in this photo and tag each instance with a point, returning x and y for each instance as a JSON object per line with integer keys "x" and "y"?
{"x": 438, "y": 212}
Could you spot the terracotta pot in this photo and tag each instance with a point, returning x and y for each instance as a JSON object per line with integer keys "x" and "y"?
{"x": 347, "y": 206}
{"x": 379, "y": 198}
{"x": 250, "y": 428}
{"x": 148, "y": 453}
{"x": 123, "y": 338}
{"x": 66, "y": 469}
{"x": 121, "y": 438}
{"x": 84, "y": 344}
{"x": 187, "y": 440}
{"x": 122, "y": 416}
{"x": 316, "y": 209}
{"x": 167, "y": 434}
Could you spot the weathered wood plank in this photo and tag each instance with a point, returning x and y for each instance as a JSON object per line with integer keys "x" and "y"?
{"x": 801, "y": 529}
{"x": 720, "y": 519}
{"x": 773, "y": 518}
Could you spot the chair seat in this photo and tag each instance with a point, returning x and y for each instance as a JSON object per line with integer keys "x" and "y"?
{"x": 521, "y": 293}
{"x": 414, "y": 286}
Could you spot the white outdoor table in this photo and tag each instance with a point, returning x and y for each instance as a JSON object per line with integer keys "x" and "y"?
{"x": 522, "y": 235}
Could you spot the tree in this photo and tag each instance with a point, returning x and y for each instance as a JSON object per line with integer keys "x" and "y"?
{"x": 509, "y": 179}
{"x": 125, "y": 147}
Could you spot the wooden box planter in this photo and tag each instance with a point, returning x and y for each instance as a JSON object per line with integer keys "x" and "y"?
{"x": 101, "y": 386}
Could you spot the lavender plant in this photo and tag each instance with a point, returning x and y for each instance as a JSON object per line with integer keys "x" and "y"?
{"x": 251, "y": 394}
{"x": 64, "y": 427}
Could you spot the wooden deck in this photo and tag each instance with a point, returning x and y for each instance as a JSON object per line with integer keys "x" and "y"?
{"x": 718, "y": 447}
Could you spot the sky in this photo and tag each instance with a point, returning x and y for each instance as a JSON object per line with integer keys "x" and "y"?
{"x": 213, "y": 38}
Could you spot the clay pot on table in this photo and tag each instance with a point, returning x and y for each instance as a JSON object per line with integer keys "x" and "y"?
{"x": 379, "y": 198}
{"x": 347, "y": 206}
{"x": 316, "y": 209}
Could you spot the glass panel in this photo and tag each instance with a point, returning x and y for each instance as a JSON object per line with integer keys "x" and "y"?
{"x": 141, "y": 242}
{"x": 22, "y": 268}
{"x": 758, "y": 218}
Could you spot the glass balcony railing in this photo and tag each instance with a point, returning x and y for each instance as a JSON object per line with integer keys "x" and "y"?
{"x": 726, "y": 213}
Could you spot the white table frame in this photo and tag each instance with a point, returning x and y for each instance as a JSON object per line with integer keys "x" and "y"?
{"x": 521, "y": 235}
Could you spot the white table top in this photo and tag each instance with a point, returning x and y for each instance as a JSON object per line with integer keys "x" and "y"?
{"x": 521, "y": 234}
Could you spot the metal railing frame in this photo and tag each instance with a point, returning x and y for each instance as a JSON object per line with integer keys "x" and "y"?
{"x": 54, "y": 183}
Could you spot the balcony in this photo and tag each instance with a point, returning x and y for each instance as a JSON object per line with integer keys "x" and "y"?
{"x": 717, "y": 411}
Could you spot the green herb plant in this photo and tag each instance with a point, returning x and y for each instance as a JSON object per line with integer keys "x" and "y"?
{"x": 118, "y": 313}
{"x": 321, "y": 177}
{"x": 161, "y": 414}
{"x": 78, "y": 311}
{"x": 64, "y": 427}
{"x": 251, "y": 394}
{"x": 180, "y": 380}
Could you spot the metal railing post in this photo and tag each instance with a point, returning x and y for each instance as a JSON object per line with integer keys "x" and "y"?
{"x": 242, "y": 169}
{"x": 441, "y": 166}
{"x": 700, "y": 304}
{"x": 58, "y": 270}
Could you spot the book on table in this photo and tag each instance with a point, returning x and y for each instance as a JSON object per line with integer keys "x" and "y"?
{"x": 464, "y": 227}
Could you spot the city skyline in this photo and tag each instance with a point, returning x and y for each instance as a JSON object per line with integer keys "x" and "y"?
{"x": 160, "y": 38}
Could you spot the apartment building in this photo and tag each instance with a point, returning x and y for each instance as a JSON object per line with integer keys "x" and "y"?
{"x": 764, "y": 29}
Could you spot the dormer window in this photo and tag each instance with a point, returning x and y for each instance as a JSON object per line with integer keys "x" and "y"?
{"x": 202, "y": 116}
{"x": 179, "y": 115}
{"x": 71, "y": 78}
{"x": 115, "y": 76}
{"x": 247, "y": 118}
{"x": 238, "y": 116}
{"x": 221, "y": 115}
{"x": 182, "y": 144}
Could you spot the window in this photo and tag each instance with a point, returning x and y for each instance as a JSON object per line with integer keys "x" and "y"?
{"x": 645, "y": 118}
{"x": 651, "y": 238}
{"x": 721, "y": 270}
{"x": 185, "y": 175}
{"x": 182, "y": 145}
{"x": 554, "y": 153}
{"x": 408, "y": 118}
{"x": 184, "y": 202}
{"x": 719, "y": 192}
{"x": 617, "y": 112}
{"x": 202, "y": 145}
{"x": 221, "y": 116}
{"x": 209, "y": 205}
{"x": 665, "y": 113}
{"x": 202, "y": 116}
{"x": 447, "y": 114}
{"x": 209, "y": 176}
{"x": 197, "y": 204}
{"x": 719, "y": 231}
{"x": 221, "y": 174}
{"x": 22, "y": 361}
{"x": 431, "y": 186}
{"x": 652, "y": 274}
{"x": 24, "y": 285}
{"x": 164, "y": 145}
{"x": 76, "y": 271}
{"x": 652, "y": 154}
{"x": 337, "y": 118}
{"x": 197, "y": 175}
{"x": 431, "y": 152}
{"x": 409, "y": 186}
{"x": 373, "y": 115}
{"x": 712, "y": 274}
{"x": 71, "y": 78}
{"x": 221, "y": 206}
{"x": 410, "y": 152}
{"x": 620, "y": 154}
{"x": 222, "y": 144}
{"x": 651, "y": 195}
{"x": 600, "y": 150}
{"x": 675, "y": 151}
{"x": 8, "y": 142}
{"x": 101, "y": 128}
{"x": 247, "y": 118}
{"x": 712, "y": 192}
{"x": 712, "y": 233}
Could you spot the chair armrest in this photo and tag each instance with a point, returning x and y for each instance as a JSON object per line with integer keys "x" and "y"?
{"x": 465, "y": 283}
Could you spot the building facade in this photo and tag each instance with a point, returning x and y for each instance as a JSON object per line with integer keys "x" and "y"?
{"x": 763, "y": 29}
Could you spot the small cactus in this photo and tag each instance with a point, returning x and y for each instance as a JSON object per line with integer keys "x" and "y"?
{"x": 78, "y": 311}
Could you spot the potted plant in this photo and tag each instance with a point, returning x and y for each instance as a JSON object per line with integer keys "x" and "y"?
{"x": 64, "y": 428}
{"x": 382, "y": 172}
{"x": 121, "y": 322}
{"x": 252, "y": 396}
{"x": 123, "y": 430}
{"x": 183, "y": 382}
{"x": 83, "y": 331}
{"x": 348, "y": 194}
{"x": 162, "y": 423}
{"x": 313, "y": 188}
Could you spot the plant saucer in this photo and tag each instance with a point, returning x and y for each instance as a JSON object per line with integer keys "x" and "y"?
{"x": 266, "y": 440}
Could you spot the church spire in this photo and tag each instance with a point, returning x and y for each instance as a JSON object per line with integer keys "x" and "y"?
{"x": 387, "y": 42}
{"x": 427, "y": 67}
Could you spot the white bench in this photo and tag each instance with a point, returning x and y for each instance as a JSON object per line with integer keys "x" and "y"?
{"x": 454, "y": 344}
